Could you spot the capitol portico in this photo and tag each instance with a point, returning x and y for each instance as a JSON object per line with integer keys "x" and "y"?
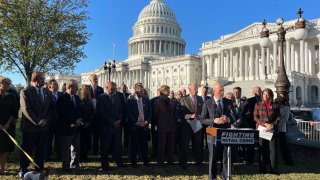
{"x": 156, "y": 56}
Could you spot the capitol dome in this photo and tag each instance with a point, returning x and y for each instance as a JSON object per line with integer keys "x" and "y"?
{"x": 156, "y": 32}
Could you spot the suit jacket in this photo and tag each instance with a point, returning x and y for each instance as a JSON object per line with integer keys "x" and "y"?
{"x": 164, "y": 115}
{"x": 99, "y": 91}
{"x": 108, "y": 112}
{"x": 204, "y": 98}
{"x": 34, "y": 110}
{"x": 261, "y": 115}
{"x": 123, "y": 100}
{"x": 209, "y": 113}
{"x": 247, "y": 113}
{"x": 152, "y": 105}
{"x": 68, "y": 114}
{"x": 133, "y": 111}
{"x": 55, "y": 113}
{"x": 187, "y": 109}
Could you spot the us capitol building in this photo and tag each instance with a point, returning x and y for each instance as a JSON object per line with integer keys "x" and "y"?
{"x": 156, "y": 56}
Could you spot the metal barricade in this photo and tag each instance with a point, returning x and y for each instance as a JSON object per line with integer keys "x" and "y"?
{"x": 311, "y": 129}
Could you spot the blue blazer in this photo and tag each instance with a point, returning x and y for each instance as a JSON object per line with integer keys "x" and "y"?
{"x": 68, "y": 113}
{"x": 209, "y": 112}
{"x": 133, "y": 111}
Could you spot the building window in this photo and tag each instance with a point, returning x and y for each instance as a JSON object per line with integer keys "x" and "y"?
{"x": 159, "y": 72}
{"x": 159, "y": 82}
{"x": 182, "y": 82}
{"x": 175, "y": 70}
{"x": 175, "y": 82}
{"x": 167, "y": 81}
{"x": 181, "y": 69}
{"x": 167, "y": 71}
{"x": 153, "y": 72}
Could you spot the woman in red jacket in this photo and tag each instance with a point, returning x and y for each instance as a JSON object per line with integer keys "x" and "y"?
{"x": 267, "y": 114}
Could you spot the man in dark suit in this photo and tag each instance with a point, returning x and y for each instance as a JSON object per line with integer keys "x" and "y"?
{"x": 69, "y": 124}
{"x": 190, "y": 110}
{"x": 53, "y": 139}
{"x": 36, "y": 106}
{"x": 217, "y": 112}
{"x": 154, "y": 134}
{"x": 247, "y": 110}
{"x": 96, "y": 91}
{"x": 204, "y": 96}
{"x": 123, "y": 95}
{"x": 110, "y": 115}
{"x": 139, "y": 114}
{"x": 237, "y": 152}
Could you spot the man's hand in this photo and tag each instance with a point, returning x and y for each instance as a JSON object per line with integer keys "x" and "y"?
{"x": 117, "y": 123}
{"x": 193, "y": 116}
{"x": 233, "y": 126}
{"x": 43, "y": 123}
{"x": 79, "y": 122}
{"x": 268, "y": 126}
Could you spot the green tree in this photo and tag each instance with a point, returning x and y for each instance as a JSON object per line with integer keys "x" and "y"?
{"x": 19, "y": 87}
{"x": 42, "y": 35}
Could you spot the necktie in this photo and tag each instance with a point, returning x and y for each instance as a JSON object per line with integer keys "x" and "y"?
{"x": 73, "y": 100}
{"x": 54, "y": 98}
{"x": 140, "y": 109}
{"x": 112, "y": 98}
{"x": 195, "y": 104}
{"x": 237, "y": 102}
{"x": 219, "y": 106}
{"x": 40, "y": 94}
{"x": 94, "y": 92}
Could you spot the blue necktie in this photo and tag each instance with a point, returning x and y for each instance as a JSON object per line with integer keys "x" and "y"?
{"x": 219, "y": 107}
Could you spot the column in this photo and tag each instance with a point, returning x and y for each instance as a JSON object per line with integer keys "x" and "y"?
{"x": 292, "y": 58}
{"x": 306, "y": 58}
{"x": 208, "y": 65}
{"x": 171, "y": 76}
{"x": 318, "y": 63}
{"x": 170, "y": 49}
{"x": 149, "y": 44}
{"x": 275, "y": 58}
{"x": 211, "y": 65}
{"x": 145, "y": 82}
{"x": 297, "y": 61}
{"x": 231, "y": 64}
{"x": 312, "y": 59}
{"x": 160, "y": 46}
{"x": 219, "y": 65}
{"x": 288, "y": 58}
{"x": 141, "y": 73}
{"x": 263, "y": 64}
{"x": 302, "y": 67}
{"x": 222, "y": 63}
{"x": 251, "y": 65}
{"x": 236, "y": 65}
{"x": 241, "y": 74}
{"x": 268, "y": 62}
{"x": 204, "y": 69}
{"x": 246, "y": 65}
{"x": 256, "y": 65}
{"x": 227, "y": 64}
{"x": 154, "y": 46}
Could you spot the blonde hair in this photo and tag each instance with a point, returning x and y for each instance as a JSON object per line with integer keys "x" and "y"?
{"x": 85, "y": 92}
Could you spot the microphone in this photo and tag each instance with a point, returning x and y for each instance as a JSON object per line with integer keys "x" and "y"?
{"x": 231, "y": 112}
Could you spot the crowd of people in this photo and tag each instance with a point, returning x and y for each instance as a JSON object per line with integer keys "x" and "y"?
{"x": 107, "y": 120}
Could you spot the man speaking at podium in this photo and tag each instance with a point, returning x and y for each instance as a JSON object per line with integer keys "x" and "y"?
{"x": 218, "y": 112}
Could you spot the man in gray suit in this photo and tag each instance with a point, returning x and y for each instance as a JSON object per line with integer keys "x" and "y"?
{"x": 217, "y": 112}
{"x": 36, "y": 105}
{"x": 190, "y": 109}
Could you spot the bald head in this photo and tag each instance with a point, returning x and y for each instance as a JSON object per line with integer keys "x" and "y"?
{"x": 256, "y": 91}
{"x": 218, "y": 90}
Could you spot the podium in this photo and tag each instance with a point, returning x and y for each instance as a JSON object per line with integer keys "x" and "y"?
{"x": 233, "y": 137}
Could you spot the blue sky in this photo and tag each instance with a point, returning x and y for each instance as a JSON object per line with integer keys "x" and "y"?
{"x": 200, "y": 20}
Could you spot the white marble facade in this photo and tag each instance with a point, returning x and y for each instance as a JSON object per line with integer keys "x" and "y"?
{"x": 156, "y": 56}
{"x": 238, "y": 59}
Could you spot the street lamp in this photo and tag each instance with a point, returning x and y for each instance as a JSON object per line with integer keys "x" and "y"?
{"x": 110, "y": 67}
{"x": 282, "y": 83}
